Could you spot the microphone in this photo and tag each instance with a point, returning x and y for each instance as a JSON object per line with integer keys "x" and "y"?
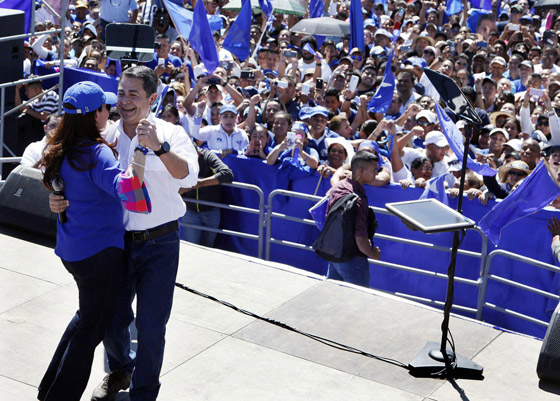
{"x": 59, "y": 190}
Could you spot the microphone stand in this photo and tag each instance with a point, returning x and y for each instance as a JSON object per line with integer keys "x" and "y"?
{"x": 432, "y": 361}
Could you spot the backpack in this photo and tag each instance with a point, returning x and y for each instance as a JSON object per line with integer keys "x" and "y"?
{"x": 336, "y": 241}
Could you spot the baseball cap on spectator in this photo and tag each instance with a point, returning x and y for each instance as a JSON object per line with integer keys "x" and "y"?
{"x": 344, "y": 60}
{"x": 480, "y": 55}
{"x": 252, "y": 63}
{"x": 454, "y": 165}
{"x": 526, "y": 18}
{"x": 538, "y": 136}
{"x": 85, "y": 97}
{"x": 428, "y": 115}
{"x": 515, "y": 144}
{"x": 517, "y": 165}
{"x": 488, "y": 79}
{"x": 305, "y": 113}
{"x": 248, "y": 91}
{"x": 499, "y": 60}
{"x": 369, "y": 67}
{"x": 417, "y": 62}
{"x": 553, "y": 86}
{"x": 432, "y": 49}
{"x": 377, "y": 50}
{"x": 300, "y": 126}
{"x": 89, "y": 27}
{"x": 319, "y": 110}
{"x": 436, "y": 138}
{"x": 268, "y": 72}
{"x": 516, "y": 9}
{"x": 81, "y": 4}
{"x": 384, "y": 32}
{"x": 431, "y": 10}
{"x": 526, "y": 63}
{"x": 228, "y": 107}
{"x": 497, "y": 114}
{"x": 369, "y": 23}
{"x": 488, "y": 128}
{"x": 500, "y": 131}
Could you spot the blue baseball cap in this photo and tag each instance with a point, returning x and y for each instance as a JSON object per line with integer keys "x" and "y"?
{"x": 301, "y": 126}
{"x": 268, "y": 71}
{"x": 86, "y": 97}
{"x": 305, "y": 112}
{"x": 228, "y": 107}
{"x": 319, "y": 110}
{"x": 417, "y": 61}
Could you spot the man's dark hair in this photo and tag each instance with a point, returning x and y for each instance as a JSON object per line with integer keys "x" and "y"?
{"x": 361, "y": 160}
{"x": 162, "y": 36}
{"x": 369, "y": 126}
{"x": 311, "y": 40}
{"x": 146, "y": 75}
{"x": 470, "y": 93}
{"x": 331, "y": 92}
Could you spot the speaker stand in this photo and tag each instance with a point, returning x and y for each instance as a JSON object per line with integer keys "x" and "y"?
{"x": 431, "y": 362}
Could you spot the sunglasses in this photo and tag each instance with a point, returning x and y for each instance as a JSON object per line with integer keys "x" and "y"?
{"x": 423, "y": 123}
{"x": 354, "y": 57}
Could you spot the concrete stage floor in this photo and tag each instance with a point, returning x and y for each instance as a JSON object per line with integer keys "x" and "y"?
{"x": 215, "y": 353}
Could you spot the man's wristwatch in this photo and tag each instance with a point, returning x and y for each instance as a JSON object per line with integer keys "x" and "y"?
{"x": 164, "y": 149}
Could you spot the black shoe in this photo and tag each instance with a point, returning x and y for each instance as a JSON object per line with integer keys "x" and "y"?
{"x": 112, "y": 383}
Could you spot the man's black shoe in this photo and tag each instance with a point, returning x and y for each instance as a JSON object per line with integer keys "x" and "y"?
{"x": 112, "y": 383}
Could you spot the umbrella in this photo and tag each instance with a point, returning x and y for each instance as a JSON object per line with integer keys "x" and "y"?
{"x": 280, "y": 6}
{"x": 546, "y": 4}
{"x": 325, "y": 26}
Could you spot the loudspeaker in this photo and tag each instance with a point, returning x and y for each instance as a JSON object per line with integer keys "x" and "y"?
{"x": 24, "y": 202}
{"x": 12, "y": 23}
{"x": 548, "y": 366}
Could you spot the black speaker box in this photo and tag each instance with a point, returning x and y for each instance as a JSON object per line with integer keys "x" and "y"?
{"x": 24, "y": 202}
{"x": 548, "y": 366}
{"x": 12, "y": 23}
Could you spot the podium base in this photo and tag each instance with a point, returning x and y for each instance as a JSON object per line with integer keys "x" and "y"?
{"x": 430, "y": 362}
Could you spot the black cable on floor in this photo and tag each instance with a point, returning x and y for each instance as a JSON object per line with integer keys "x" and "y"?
{"x": 322, "y": 340}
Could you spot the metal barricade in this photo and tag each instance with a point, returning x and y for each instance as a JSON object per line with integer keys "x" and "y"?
{"x": 486, "y": 276}
{"x": 481, "y": 255}
{"x": 259, "y": 212}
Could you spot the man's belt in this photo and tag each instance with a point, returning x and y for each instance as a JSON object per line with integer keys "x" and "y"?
{"x": 152, "y": 233}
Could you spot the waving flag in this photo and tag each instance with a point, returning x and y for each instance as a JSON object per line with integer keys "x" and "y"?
{"x": 533, "y": 194}
{"x": 266, "y": 7}
{"x": 435, "y": 188}
{"x": 382, "y": 99}
{"x": 316, "y": 8}
{"x": 238, "y": 39}
{"x": 455, "y": 140}
{"x": 356, "y": 25}
{"x": 201, "y": 38}
{"x": 482, "y": 4}
{"x": 453, "y": 7}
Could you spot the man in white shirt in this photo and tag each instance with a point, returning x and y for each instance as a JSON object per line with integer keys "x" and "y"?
{"x": 225, "y": 138}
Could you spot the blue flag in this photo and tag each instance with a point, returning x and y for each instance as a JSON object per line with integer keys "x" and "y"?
{"x": 382, "y": 99}
{"x": 453, "y": 7}
{"x": 533, "y": 194}
{"x": 435, "y": 188}
{"x": 22, "y": 5}
{"x": 455, "y": 140}
{"x": 201, "y": 38}
{"x": 238, "y": 39}
{"x": 482, "y": 4}
{"x": 319, "y": 212}
{"x": 356, "y": 26}
{"x": 316, "y": 8}
{"x": 182, "y": 18}
{"x": 266, "y": 7}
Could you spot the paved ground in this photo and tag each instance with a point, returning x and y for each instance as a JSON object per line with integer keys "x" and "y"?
{"x": 215, "y": 353}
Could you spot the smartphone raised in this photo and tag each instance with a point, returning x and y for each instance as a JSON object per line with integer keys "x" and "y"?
{"x": 353, "y": 84}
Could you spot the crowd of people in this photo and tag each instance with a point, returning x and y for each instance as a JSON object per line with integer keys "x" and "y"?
{"x": 305, "y": 103}
{"x": 296, "y": 92}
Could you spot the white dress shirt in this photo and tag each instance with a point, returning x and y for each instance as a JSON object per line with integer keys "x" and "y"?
{"x": 167, "y": 204}
{"x": 218, "y": 139}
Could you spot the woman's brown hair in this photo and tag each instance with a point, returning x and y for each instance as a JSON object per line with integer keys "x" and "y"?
{"x": 72, "y": 138}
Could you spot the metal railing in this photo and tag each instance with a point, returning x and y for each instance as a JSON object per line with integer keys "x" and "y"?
{"x": 487, "y": 276}
{"x": 475, "y": 283}
{"x": 259, "y": 212}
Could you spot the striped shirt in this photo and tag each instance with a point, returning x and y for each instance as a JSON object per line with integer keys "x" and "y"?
{"x": 47, "y": 104}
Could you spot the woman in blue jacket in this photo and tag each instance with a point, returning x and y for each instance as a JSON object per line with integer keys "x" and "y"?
{"x": 90, "y": 241}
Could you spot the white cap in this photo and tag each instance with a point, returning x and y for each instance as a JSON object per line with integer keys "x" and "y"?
{"x": 345, "y": 144}
{"x": 428, "y": 115}
{"x": 500, "y": 131}
{"x": 437, "y": 138}
{"x": 515, "y": 144}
